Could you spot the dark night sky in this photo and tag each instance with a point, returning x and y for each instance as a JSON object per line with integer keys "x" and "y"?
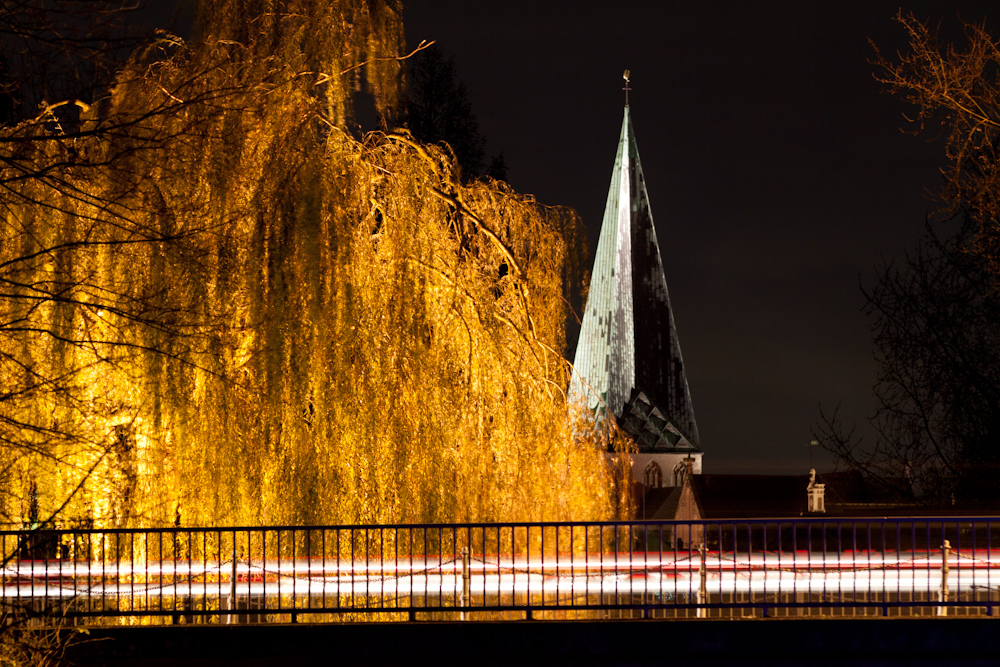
{"x": 775, "y": 165}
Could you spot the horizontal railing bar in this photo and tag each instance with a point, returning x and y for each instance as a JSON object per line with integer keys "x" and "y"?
{"x": 934, "y": 520}
{"x": 39, "y": 569}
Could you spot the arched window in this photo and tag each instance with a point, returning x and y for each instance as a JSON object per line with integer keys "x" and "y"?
{"x": 680, "y": 471}
{"x": 653, "y": 477}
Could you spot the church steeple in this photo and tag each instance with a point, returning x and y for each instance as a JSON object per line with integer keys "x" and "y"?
{"x": 628, "y": 359}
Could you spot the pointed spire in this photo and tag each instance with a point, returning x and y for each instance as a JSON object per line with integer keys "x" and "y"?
{"x": 628, "y": 350}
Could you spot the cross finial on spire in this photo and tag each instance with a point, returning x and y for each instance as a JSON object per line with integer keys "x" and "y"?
{"x": 626, "y": 88}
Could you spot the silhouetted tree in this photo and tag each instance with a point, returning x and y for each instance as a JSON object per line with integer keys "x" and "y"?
{"x": 935, "y": 324}
{"x": 935, "y": 313}
{"x": 498, "y": 168}
{"x": 8, "y": 104}
{"x": 70, "y": 49}
{"x": 438, "y": 110}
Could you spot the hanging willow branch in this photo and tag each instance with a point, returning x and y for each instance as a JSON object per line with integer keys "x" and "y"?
{"x": 315, "y": 329}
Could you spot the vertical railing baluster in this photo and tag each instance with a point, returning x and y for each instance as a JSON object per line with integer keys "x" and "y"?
{"x": 557, "y": 567}
{"x": 823, "y": 562}
{"x": 353, "y": 565}
{"x": 973, "y": 597}
{"x": 889, "y": 544}
{"x": 631, "y": 563}
{"x": 930, "y": 551}
{"x": 322, "y": 553}
{"x": 542, "y": 565}
{"x": 440, "y": 560}
{"x": 529, "y": 565}
{"x": 395, "y": 566}
{"x": 427, "y": 577}
{"x": 750, "y": 569}
{"x": 340, "y": 596}
{"x": 160, "y": 583}
{"x": 500, "y": 602}
{"x": 601, "y": 547}
{"x": 263, "y": 572}
{"x": 232, "y": 582}
{"x": 702, "y": 581}
{"x": 6, "y": 559}
{"x": 277, "y": 568}
{"x": 366, "y": 537}
{"x": 854, "y": 567}
{"x": 218, "y": 569}
{"x": 145, "y": 567}
{"x": 411, "y": 566}
{"x": 309, "y": 564}
{"x": 914, "y": 556}
{"x": 763, "y": 560}
{"x": 466, "y": 599}
{"x": 989, "y": 567}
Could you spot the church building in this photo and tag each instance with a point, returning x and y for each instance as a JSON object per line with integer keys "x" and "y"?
{"x": 628, "y": 361}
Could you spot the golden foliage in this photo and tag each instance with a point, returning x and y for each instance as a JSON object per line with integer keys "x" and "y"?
{"x": 955, "y": 91}
{"x": 22, "y": 646}
{"x": 323, "y": 42}
{"x": 234, "y": 312}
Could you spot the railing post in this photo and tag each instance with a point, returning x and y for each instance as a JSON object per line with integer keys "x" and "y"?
{"x": 465, "y": 597}
{"x": 943, "y": 593}
{"x": 703, "y": 581}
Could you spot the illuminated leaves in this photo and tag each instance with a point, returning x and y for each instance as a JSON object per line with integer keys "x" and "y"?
{"x": 289, "y": 324}
{"x": 955, "y": 92}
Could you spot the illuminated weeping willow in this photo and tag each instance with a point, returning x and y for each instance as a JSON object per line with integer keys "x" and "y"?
{"x": 231, "y": 311}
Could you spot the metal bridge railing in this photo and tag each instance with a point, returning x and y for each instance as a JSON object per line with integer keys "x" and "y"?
{"x": 741, "y": 568}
